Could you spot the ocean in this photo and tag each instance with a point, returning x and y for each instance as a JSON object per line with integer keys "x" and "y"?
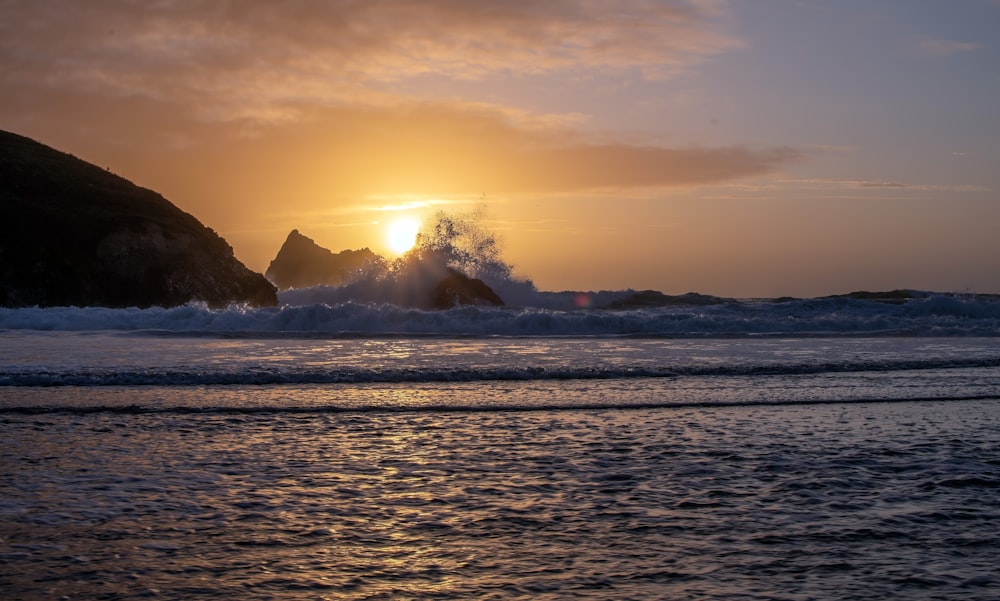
{"x": 831, "y": 448}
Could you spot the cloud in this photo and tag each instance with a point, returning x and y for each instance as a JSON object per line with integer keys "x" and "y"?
{"x": 840, "y": 188}
{"x": 262, "y": 60}
{"x": 406, "y": 203}
{"x": 448, "y": 149}
{"x": 940, "y": 48}
{"x": 593, "y": 166}
{"x": 888, "y": 185}
{"x": 298, "y": 96}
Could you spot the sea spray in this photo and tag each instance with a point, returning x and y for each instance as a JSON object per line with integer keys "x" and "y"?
{"x": 326, "y": 312}
{"x": 455, "y": 261}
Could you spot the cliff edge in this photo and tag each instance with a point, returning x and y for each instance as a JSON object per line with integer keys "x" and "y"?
{"x": 72, "y": 233}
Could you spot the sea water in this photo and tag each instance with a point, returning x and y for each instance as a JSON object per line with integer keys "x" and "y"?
{"x": 819, "y": 449}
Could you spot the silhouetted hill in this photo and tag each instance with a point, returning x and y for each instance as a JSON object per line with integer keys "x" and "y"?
{"x": 72, "y": 233}
{"x": 301, "y": 263}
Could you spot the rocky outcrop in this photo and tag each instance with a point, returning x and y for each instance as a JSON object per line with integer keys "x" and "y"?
{"x": 892, "y": 297}
{"x": 652, "y": 298}
{"x": 422, "y": 279}
{"x": 72, "y": 233}
{"x": 459, "y": 289}
{"x": 301, "y": 263}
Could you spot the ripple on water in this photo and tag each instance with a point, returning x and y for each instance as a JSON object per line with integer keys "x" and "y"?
{"x": 860, "y": 502}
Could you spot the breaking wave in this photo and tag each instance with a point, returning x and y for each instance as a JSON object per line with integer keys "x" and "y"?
{"x": 314, "y": 313}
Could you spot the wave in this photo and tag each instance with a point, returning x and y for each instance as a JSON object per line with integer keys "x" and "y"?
{"x": 271, "y": 410}
{"x": 923, "y": 314}
{"x": 263, "y": 375}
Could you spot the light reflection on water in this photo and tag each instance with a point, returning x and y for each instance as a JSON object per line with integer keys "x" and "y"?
{"x": 96, "y": 350}
{"x": 733, "y": 483}
{"x": 901, "y": 385}
{"x": 862, "y": 501}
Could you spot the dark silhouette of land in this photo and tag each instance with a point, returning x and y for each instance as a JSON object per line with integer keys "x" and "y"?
{"x": 457, "y": 289}
{"x": 301, "y": 263}
{"x": 424, "y": 278}
{"x": 653, "y": 298}
{"x": 72, "y": 233}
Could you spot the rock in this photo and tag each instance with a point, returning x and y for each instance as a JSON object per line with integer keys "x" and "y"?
{"x": 653, "y": 298}
{"x": 892, "y": 297}
{"x": 459, "y": 289}
{"x": 424, "y": 279}
{"x": 421, "y": 279}
{"x": 72, "y": 233}
{"x": 301, "y": 263}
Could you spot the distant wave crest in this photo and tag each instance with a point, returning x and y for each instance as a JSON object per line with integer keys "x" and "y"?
{"x": 266, "y": 375}
{"x": 315, "y": 312}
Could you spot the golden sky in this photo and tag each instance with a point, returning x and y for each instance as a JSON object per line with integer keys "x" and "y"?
{"x": 737, "y": 148}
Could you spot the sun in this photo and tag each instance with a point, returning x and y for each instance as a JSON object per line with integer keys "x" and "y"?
{"x": 401, "y": 234}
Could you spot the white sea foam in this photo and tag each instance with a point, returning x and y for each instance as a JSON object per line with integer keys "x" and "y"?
{"x": 154, "y": 358}
{"x": 320, "y": 312}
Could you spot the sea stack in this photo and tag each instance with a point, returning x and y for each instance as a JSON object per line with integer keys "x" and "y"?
{"x": 301, "y": 263}
{"x": 422, "y": 280}
{"x": 73, "y": 234}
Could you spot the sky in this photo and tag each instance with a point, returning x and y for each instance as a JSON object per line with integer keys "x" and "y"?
{"x": 743, "y": 148}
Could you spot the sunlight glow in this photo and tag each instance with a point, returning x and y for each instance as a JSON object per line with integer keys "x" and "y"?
{"x": 401, "y": 234}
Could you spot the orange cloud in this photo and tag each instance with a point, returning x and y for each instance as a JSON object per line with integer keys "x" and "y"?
{"x": 448, "y": 149}
{"x": 239, "y": 110}
{"x": 312, "y": 75}
{"x": 263, "y": 59}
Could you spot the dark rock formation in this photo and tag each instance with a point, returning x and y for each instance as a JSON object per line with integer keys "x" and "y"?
{"x": 653, "y": 298}
{"x": 459, "y": 289}
{"x": 301, "y": 263}
{"x": 422, "y": 279}
{"x": 892, "y": 297}
{"x": 72, "y": 233}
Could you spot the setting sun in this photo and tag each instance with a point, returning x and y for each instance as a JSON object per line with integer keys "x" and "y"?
{"x": 401, "y": 235}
